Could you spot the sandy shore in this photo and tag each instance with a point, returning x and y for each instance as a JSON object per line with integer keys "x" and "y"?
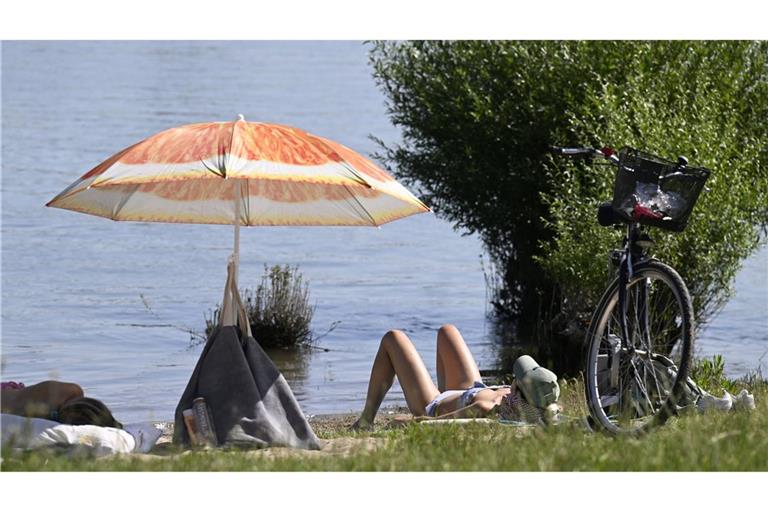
{"x": 328, "y": 426}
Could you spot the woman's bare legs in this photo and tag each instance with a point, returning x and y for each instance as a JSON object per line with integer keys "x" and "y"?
{"x": 456, "y": 368}
{"x": 397, "y": 357}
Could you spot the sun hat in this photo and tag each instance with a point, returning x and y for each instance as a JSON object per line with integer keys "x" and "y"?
{"x": 537, "y": 384}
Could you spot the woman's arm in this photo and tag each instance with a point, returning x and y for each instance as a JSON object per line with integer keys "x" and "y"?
{"x": 478, "y": 409}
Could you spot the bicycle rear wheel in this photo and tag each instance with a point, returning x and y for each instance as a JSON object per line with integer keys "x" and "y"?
{"x": 636, "y": 383}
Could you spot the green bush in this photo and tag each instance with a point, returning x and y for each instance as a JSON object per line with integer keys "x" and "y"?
{"x": 278, "y": 310}
{"x": 477, "y": 118}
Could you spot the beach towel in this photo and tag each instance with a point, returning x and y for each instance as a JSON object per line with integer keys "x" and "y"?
{"x": 249, "y": 400}
{"x": 23, "y": 433}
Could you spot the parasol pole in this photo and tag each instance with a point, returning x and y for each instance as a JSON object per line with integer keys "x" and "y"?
{"x": 229, "y": 313}
{"x": 238, "y": 200}
{"x": 236, "y": 252}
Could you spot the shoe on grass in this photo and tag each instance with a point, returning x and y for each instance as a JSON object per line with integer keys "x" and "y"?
{"x": 709, "y": 402}
{"x": 744, "y": 401}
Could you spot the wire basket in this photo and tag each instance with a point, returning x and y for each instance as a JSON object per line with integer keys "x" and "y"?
{"x": 656, "y": 192}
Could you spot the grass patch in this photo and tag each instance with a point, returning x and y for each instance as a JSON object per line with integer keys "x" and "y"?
{"x": 733, "y": 441}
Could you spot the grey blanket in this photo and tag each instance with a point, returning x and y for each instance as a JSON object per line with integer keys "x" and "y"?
{"x": 251, "y": 403}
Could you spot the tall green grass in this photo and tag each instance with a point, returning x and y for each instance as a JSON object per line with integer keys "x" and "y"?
{"x": 709, "y": 374}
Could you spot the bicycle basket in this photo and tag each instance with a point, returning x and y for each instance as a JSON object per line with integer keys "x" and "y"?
{"x": 656, "y": 192}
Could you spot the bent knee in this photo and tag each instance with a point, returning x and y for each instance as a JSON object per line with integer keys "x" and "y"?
{"x": 395, "y": 334}
{"x": 394, "y": 337}
{"x": 396, "y": 340}
{"x": 448, "y": 333}
{"x": 447, "y": 329}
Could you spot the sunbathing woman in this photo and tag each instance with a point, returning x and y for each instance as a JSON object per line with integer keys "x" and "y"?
{"x": 459, "y": 393}
{"x": 59, "y": 401}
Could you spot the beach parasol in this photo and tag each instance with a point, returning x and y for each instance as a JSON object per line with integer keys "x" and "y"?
{"x": 243, "y": 174}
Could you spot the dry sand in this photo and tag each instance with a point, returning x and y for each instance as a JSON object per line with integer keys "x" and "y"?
{"x": 330, "y": 428}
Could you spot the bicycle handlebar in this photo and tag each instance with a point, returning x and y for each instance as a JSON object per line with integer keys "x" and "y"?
{"x": 607, "y": 153}
{"x": 573, "y": 151}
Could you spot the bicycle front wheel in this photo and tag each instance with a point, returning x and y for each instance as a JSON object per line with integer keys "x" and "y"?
{"x": 635, "y": 377}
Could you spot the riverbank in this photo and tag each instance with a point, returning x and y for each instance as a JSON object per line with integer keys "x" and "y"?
{"x": 733, "y": 441}
{"x": 713, "y": 442}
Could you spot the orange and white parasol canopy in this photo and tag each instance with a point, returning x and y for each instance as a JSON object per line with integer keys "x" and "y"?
{"x": 241, "y": 173}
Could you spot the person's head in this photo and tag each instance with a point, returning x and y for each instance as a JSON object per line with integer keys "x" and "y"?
{"x": 86, "y": 411}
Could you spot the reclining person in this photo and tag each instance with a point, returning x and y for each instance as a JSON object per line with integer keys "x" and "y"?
{"x": 64, "y": 402}
{"x": 460, "y": 392}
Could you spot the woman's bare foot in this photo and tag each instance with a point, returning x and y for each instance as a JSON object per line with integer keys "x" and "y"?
{"x": 362, "y": 424}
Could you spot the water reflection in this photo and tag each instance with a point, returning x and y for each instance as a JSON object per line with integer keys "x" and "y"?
{"x": 560, "y": 356}
{"x": 293, "y": 363}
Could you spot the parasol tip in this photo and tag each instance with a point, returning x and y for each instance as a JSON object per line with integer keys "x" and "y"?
{"x": 240, "y": 117}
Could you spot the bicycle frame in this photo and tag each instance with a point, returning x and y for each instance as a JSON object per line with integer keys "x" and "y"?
{"x": 632, "y": 255}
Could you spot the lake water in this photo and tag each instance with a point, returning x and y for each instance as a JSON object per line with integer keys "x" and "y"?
{"x": 74, "y": 287}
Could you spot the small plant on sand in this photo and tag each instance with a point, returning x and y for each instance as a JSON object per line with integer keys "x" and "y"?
{"x": 278, "y": 309}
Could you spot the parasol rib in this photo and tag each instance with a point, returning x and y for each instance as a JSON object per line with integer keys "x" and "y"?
{"x": 123, "y": 201}
{"x": 367, "y": 213}
{"x": 343, "y": 162}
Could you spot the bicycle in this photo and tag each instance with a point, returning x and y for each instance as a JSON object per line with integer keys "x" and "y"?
{"x": 640, "y": 338}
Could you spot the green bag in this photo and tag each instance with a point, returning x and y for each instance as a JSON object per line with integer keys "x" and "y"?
{"x": 537, "y": 384}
